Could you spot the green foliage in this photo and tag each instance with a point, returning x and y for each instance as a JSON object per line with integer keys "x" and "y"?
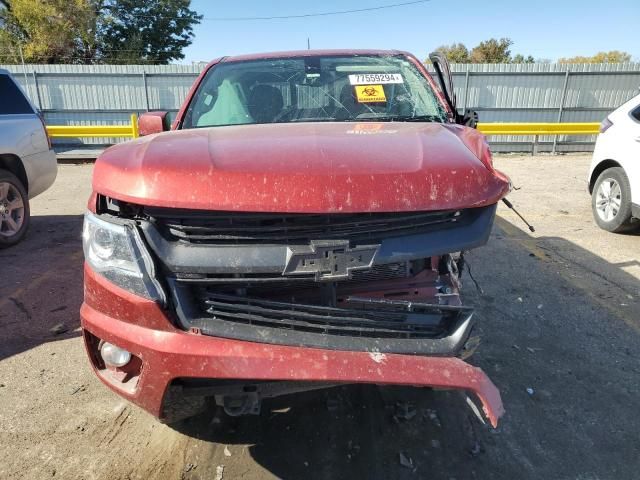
{"x": 51, "y": 31}
{"x": 492, "y": 51}
{"x": 95, "y": 31}
{"x": 455, "y": 53}
{"x": 614, "y": 56}
{"x": 143, "y": 31}
{"x": 519, "y": 58}
{"x": 489, "y": 51}
{"x": 498, "y": 51}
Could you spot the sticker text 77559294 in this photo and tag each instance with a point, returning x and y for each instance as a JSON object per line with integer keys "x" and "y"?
{"x": 375, "y": 78}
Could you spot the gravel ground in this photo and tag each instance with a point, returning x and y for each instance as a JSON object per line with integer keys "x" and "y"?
{"x": 560, "y": 323}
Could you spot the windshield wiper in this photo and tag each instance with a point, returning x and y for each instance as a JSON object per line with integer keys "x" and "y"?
{"x": 416, "y": 118}
{"x": 398, "y": 118}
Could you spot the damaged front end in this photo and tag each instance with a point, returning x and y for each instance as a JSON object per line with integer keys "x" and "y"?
{"x": 384, "y": 284}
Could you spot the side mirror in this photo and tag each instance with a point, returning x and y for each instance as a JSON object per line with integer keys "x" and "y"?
{"x": 152, "y": 122}
{"x": 445, "y": 79}
{"x": 470, "y": 118}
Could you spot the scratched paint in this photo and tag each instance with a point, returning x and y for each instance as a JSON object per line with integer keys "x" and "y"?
{"x": 302, "y": 168}
{"x": 217, "y": 169}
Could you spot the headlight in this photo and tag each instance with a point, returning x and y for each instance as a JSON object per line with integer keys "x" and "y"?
{"x": 116, "y": 251}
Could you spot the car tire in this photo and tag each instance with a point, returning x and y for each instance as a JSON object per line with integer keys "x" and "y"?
{"x": 14, "y": 209}
{"x": 611, "y": 201}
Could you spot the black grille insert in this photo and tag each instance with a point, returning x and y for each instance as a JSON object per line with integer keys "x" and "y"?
{"x": 239, "y": 227}
{"x": 380, "y": 272}
{"x": 383, "y": 319}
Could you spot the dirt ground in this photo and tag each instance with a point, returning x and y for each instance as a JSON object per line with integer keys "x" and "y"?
{"x": 560, "y": 322}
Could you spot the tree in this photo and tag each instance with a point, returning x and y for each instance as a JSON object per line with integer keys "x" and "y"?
{"x": 95, "y": 31}
{"x": 455, "y": 53}
{"x": 145, "y": 31}
{"x": 51, "y": 31}
{"x": 519, "y": 58}
{"x": 613, "y": 56}
{"x": 492, "y": 51}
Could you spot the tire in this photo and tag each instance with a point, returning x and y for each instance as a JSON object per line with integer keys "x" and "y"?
{"x": 14, "y": 209}
{"x": 611, "y": 201}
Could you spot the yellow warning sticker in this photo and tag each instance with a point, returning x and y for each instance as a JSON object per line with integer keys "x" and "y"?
{"x": 370, "y": 93}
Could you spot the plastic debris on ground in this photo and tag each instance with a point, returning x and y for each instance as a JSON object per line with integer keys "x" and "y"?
{"x": 219, "y": 472}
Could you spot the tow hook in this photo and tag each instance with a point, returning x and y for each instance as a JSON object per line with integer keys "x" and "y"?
{"x": 236, "y": 405}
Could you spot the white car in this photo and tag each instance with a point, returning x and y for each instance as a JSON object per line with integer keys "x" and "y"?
{"x": 614, "y": 177}
{"x": 27, "y": 162}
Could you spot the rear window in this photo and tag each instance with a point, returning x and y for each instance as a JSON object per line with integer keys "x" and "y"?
{"x": 12, "y": 100}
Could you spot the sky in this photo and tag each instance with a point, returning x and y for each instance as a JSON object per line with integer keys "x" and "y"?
{"x": 545, "y": 29}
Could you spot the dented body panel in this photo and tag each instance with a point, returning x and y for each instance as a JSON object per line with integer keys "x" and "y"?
{"x": 274, "y": 257}
{"x": 169, "y": 353}
{"x": 306, "y": 168}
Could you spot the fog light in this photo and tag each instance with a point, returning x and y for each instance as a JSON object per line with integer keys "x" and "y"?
{"x": 114, "y": 356}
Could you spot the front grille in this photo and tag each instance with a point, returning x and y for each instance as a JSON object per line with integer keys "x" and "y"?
{"x": 381, "y": 272}
{"x": 250, "y": 228}
{"x": 301, "y": 289}
{"x": 389, "y": 319}
{"x": 225, "y": 274}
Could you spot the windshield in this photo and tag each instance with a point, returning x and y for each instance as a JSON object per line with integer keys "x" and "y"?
{"x": 313, "y": 89}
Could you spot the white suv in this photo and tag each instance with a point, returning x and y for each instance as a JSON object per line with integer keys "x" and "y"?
{"x": 614, "y": 177}
{"x": 27, "y": 163}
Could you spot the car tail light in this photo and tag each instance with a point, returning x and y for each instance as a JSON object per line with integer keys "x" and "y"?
{"x": 605, "y": 124}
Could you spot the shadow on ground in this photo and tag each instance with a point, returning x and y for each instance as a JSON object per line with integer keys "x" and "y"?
{"x": 41, "y": 285}
{"x": 560, "y": 340}
{"x": 560, "y": 333}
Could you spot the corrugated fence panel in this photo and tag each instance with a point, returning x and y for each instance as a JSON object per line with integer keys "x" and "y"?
{"x": 108, "y": 94}
{"x": 526, "y": 91}
{"x": 601, "y": 90}
{"x": 167, "y": 92}
{"x": 91, "y": 92}
{"x": 535, "y": 93}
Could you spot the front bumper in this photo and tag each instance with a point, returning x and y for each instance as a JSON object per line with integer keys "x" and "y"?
{"x": 166, "y": 353}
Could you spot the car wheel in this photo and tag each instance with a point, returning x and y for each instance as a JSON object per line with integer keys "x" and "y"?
{"x": 14, "y": 209}
{"x": 611, "y": 200}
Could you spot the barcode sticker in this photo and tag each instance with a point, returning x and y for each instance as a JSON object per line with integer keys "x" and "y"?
{"x": 375, "y": 78}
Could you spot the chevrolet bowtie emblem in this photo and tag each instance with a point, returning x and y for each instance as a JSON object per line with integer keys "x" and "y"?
{"x": 328, "y": 260}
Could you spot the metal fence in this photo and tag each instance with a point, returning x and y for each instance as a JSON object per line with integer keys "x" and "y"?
{"x": 545, "y": 93}
{"x": 108, "y": 94}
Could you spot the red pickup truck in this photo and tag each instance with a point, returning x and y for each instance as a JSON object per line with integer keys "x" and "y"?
{"x": 301, "y": 224}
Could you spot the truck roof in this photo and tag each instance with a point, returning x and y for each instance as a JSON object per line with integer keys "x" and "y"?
{"x": 311, "y": 53}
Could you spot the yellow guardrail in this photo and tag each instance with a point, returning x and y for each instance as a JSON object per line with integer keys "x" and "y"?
{"x": 539, "y": 128}
{"x": 129, "y": 130}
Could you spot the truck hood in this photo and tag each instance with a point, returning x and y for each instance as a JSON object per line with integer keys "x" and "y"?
{"x": 305, "y": 167}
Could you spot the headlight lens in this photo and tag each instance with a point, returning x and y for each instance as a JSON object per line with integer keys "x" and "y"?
{"x": 102, "y": 244}
{"x": 116, "y": 251}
